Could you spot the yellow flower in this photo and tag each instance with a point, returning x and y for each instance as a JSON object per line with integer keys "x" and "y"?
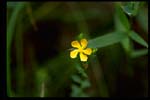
{"x": 80, "y": 48}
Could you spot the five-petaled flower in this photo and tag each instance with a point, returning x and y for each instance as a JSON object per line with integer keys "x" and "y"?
{"x": 80, "y": 48}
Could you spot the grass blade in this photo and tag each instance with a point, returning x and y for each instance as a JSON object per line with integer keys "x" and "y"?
{"x": 10, "y": 30}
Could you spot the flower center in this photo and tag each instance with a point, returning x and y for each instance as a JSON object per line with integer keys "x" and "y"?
{"x": 80, "y": 50}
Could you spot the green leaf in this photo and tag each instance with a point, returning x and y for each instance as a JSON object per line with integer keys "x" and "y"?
{"x": 106, "y": 40}
{"x": 76, "y": 78}
{"x": 81, "y": 70}
{"x": 139, "y": 53}
{"x": 85, "y": 84}
{"x": 131, "y": 8}
{"x": 122, "y": 17}
{"x": 76, "y": 90}
{"x": 138, "y": 38}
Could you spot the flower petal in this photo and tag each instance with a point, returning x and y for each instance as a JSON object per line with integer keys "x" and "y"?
{"x": 87, "y": 51}
{"x": 73, "y": 54}
{"x": 75, "y": 44}
{"x": 83, "y": 43}
{"x": 83, "y": 57}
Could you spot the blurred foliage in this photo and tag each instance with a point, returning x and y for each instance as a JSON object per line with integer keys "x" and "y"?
{"x": 39, "y": 36}
{"x": 131, "y": 8}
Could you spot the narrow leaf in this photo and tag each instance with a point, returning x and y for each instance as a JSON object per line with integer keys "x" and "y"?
{"x": 10, "y": 30}
{"x": 138, "y": 38}
{"x": 106, "y": 40}
{"x": 122, "y": 17}
{"x": 139, "y": 53}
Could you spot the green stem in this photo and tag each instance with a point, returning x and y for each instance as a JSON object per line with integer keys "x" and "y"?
{"x": 99, "y": 77}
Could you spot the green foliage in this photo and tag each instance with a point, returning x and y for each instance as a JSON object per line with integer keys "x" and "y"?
{"x": 81, "y": 36}
{"x": 82, "y": 80}
{"x": 126, "y": 43}
{"x": 78, "y": 92}
{"x": 123, "y": 25}
{"x": 59, "y": 73}
{"x": 131, "y": 8}
{"x": 10, "y": 31}
{"x": 106, "y": 40}
{"x": 81, "y": 70}
{"x": 85, "y": 84}
{"x": 138, "y": 38}
{"x": 122, "y": 18}
{"x": 139, "y": 53}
